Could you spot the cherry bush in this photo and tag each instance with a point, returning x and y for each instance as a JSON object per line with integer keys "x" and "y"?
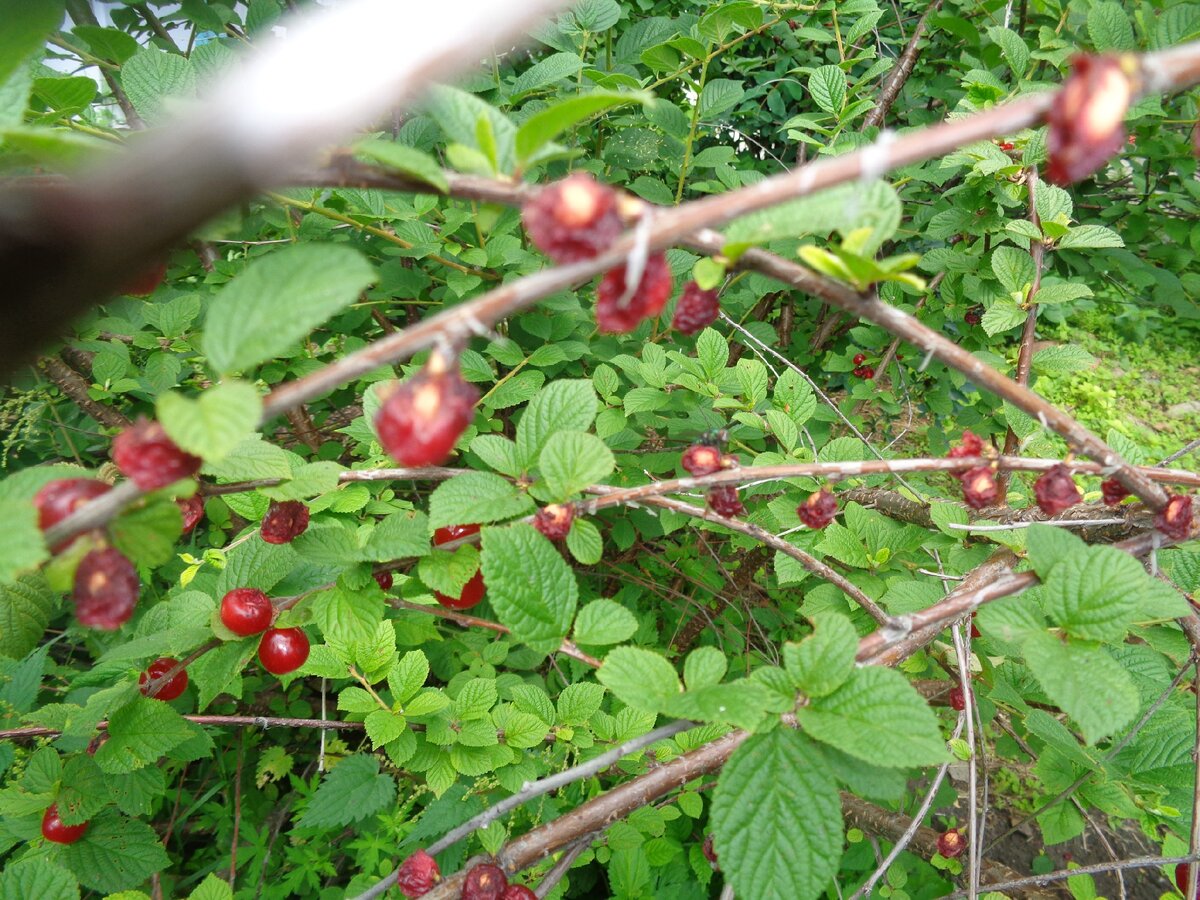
{"x": 468, "y": 517}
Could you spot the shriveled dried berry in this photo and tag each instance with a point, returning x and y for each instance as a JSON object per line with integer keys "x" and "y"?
{"x": 969, "y": 445}
{"x": 423, "y": 418}
{"x": 58, "y": 499}
{"x": 979, "y": 487}
{"x": 192, "y": 510}
{"x": 554, "y": 520}
{"x": 614, "y": 313}
{"x": 696, "y": 309}
{"x": 246, "y": 611}
{"x": 818, "y": 510}
{"x": 973, "y": 316}
{"x": 951, "y": 844}
{"x": 573, "y": 219}
{"x": 384, "y": 580}
{"x": 54, "y": 829}
{"x": 1113, "y": 492}
{"x": 709, "y": 851}
{"x": 284, "y": 522}
{"x": 723, "y": 500}
{"x": 958, "y": 701}
{"x": 145, "y": 454}
{"x": 518, "y": 892}
{"x": 701, "y": 459}
{"x": 484, "y": 882}
{"x": 283, "y": 650}
{"x": 169, "y": 690}
{"x": 1087, "y": 119}
{"x": 860, "y": 358}
{"x": 472, "y": 592}
{"x": 1055, "y": 490}
{"x": 1175, "y": 520}
{"x": 106, "y": 589}
{"x": 418, "y": 874}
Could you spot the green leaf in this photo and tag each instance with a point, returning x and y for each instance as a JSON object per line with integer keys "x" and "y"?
{"x": 308, "y": 480}
{"x": 1013, "y": 267}
{"x": 1094, "y": 593}
{"x": 400, "y": 535}
{"x": 531, "y": 587}
{"x": 1061, "y": 292}
{"x": 844, "y": 208}
{"x": 406, "y": 160}
{"x": 579, "y": 702}
{"x": 278, "y": 299}
{"x": 639, "y": 678}
{"x": 1003, "y": 315}
{"x": 26, "y": 608}
{"x": 1084, "y": 681}
{"x": 563, "y": 405}
{"x": 148, "y": 535}
{"x": 250, "y": 459}
{"x": 115, "y": 853}
{"x": 476, "y": 497}
{"x": 596, "y": 15}
{"x": 22, "y": 548}
{"x": 25, "y": 28}
{"x": 827, "y": 85}
{"x": 353, "y": 791}
{"x": 878, "y": 717}
{"x": 348, "y": 615}
{"x": 1089, "y": 237}
{"x": 604, "y": 621}
{"x": 449, "y": 571}
{"x": 458, "y": 112}
{"x": 139, "y": 733}
{"x": 1047, "y": 546}
{"x": 573, "y": 460}
{"x": 214, "y": 423}
{"x": 1016, "y": 53}
{"x": 1064, "y": 358}
{"x": 33, "y": 877}
{"x": 719, "y": 95}
{"x": 212, "y": 888}
{"x": 777, "y": 818}
{"x": 553, "y": 68}
{"x": 151, "y": 76}
{"x": 1109, "y": 27}
{"x": 824, "y": 660}
{"x": 584, "y": 542}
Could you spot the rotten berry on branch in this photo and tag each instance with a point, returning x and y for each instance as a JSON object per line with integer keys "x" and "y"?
{"x": 702, "y": 459}
{"x": 615, "y": 313}
{"x": 1113, "y": 492}
{"x": 951, "y": 844}
{"x": 418, "y": 874}
{"x": 422, "y": 419}
{"x": 980, "y": 489}
{"x": 169, "y": 690}
{"x": 484, "y": 882}
{"x": 1055, "y": 490}
{"x": 554, "y": 520}
{"x": 1087, "y": 120}
{"x": 573, "y": 219}
{"x": 284, "y": 522}
{"x": 1175, "y": 519}
{"x": 723, "y": 500}
{"x": 149, "y": 458}
{"x": 696, "y": 309}
{"x": 58, "y": 499}
{"x": 819, "y": 509}
{"x": 106, "y": 589}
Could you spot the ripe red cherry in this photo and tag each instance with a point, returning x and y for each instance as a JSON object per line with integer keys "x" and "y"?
{"x": 573, "y": 219}
{"x": 868, "y": 372}
{"x": 518, "y": 892}
{"x": 1113, "y": 492}
{"x": 554, "y": 520}
{"x": 484, "y": 882}
{"x": 284, "y": 522}
{"x": 702, "y": 459}
{"x": 1055, "y": 490}
{"x": 192, "y": 510}
{"x": 160, "y": 667}
{"x": 723, "y": 500}
{"x": 979, "y": 487}
{"x": 958, "y": 701}
{"x": 1006, "y": 145}
{"x": 1087, "y": 119}
{"x": 860, "y": 358}
{"x": 145, "y": 454}
{"x": 1175, "y": 520}
{"x": 1181, "y": 878}
{"x": 818, "y": 510}
{"x": 53, "y": 828}
{"x": 472, "y": 592}
{"x": 951, "y": 844}
{"x": 647, "y": 300}
{"x": 418, "y": 874}
{"x": 283, "y": 650}
{"x": 143, "y": 283}
{"x": 58, "y": 499}
{"x": 246, "y": 611}
{"x": 696, "y": 309}
{"x": 421, "y": 420}
{"x": 384, "y": 580}
{"x": 106, "y": 589}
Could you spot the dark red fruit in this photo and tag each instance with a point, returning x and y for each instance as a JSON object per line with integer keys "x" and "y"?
{"x": 418, "y": 874}
{"x": 484, "y": 882}
{"x": 951, "y": 844}
{"x": 973, "y": 316}
{"x": 144, "y": 283}
{"x": 145, "y": 454}
{"x": 518, "y": 892}
{"x": 818, "y": 510}
{"x": 979, "y": 487}
{"x": 709, "y": 852}
{"x": 859, "y": 371}
{"x": 975, "y": 632}
{"x": 647, "y": 300}
{"x": 53, "y": 828}
{"x": 472, "y": 592}
{"x": 192, "y": 510}
{"x": 868, "y": 372}
{"x": 1113, "y": 492}
{"x": 1055, "y": 490}
{"x": 1175, "y": 520}
{"x": 696, "y": 309}
{"x": 384, "y": 580}
{"x": 1087, "y": 119}
{"x": 702, "y": 459}
{"x": 1181, "y": 878}
{"x": 970, "y": 445}
{"x": 58, "y": 499}
{"x": 170, "y": 689}
{"x": 573, "y": 219}
{"x": 860, "y": 358}
{"x": 284, "y": 522}
{"x": 723, "y": 500}
{"x": 422, "y": 419}
{"x": 246, "y": 611}
{"x": 554, "y": 520}
{"x": 106, "y": 589}
{"x": 1006, "y": 146}
{"x": 958, "y": 701}
{"x": 283, "y": 650}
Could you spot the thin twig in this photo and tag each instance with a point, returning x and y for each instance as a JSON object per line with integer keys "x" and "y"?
{"x": 1141, "y": 862}
{"x": 900, "y": 72}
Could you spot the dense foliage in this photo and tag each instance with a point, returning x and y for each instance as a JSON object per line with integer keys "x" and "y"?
{"x": 300, "y": 579}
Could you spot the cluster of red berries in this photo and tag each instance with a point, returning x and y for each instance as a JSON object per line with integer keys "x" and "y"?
{"x": 818, "y": 510}
{"x": 554, "y": 520}
{"x": 419, "y": 873}
{"x": 980, "y": 488}
{"x": 703, "y": 459}
{"x": 422, "y": 419}
{"x": 1087, "y": 119}
{"x": 862, "y": 370}
{"x": 284, "y": 522}
{"x": 248, "y": 611}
